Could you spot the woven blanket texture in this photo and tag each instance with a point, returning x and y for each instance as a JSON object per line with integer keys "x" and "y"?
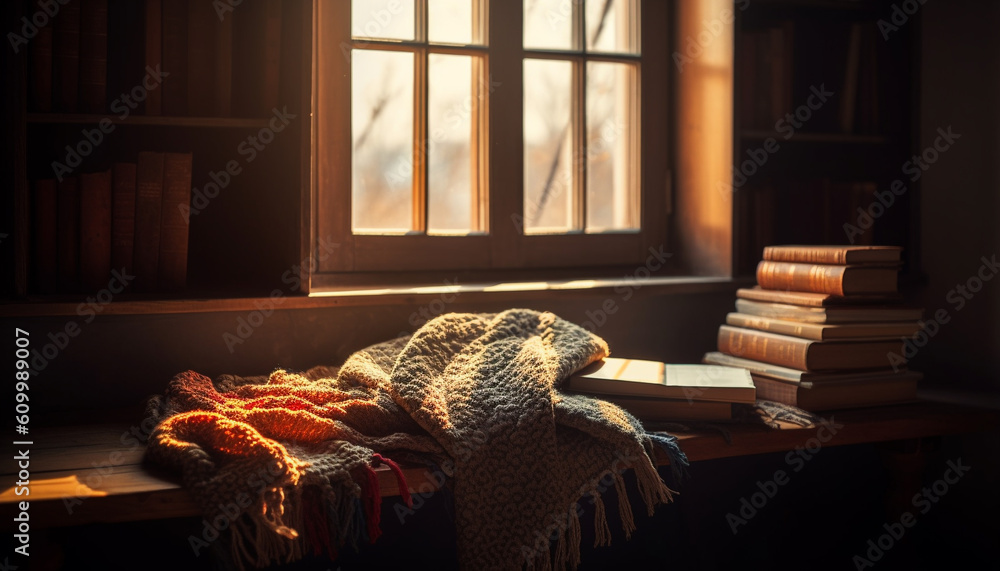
{"x": 476, "y": 391}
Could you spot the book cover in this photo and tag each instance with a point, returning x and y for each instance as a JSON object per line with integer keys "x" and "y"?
{"x": 66, "y": 58}
{"x": 93, "y": 55}
{"x": 249, "y": 23}
{"x": 44, "y": 236}
{"x": 126, "y": 52}
{"x": 40, "y": 58}
{"x": 202, "y": 23}
{"x": 154, "y": 53}
{"x": 272, "y": 56}
{"x": 789, "y": 375}
{"x": 638, "y": 377}
{"x": 825, "y": 331}
{"x": 669, "y": 410}
{"x": 825, "y": 278}
{"x": 811, "y": 299}
{"x": 897, "y": 389}
{"x": 807, "y": 354}
{"x": 173, "y": 223}
{"x": 95, "y": 230}
{"x": 148, "y": 215}
{"x": 835, "y": 255}
{"x": 830, "y": 314}
{"x": 123, "y": 217}
{"x": 68, "y": 234}
{"x": 175, "y": 58}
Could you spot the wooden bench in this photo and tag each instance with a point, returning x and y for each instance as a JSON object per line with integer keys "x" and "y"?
{"x": 95, "y": 473}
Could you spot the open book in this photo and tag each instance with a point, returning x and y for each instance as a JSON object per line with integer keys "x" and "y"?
{"x": 639, "y": 378}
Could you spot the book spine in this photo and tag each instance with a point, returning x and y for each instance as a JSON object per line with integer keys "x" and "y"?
{"x": 775, "y": 349}
{"x": 41, "y": 69}
{"x": 66, "y": 57}
{"x": 223, "y": 105}
{"x": 272, "y": 55}
{"x": 148, "y": 213}
{"x": 815, "y": 278}
{"x": 123, "y": 217}
{"x": 68, "y": 229}
{"x": 175, "y": 221}
{"x": 175, "y": 38}
{"x": 201, "y": 59}
{"x": 777, "y": 391}
{"x": 806, "y": 255}
{"x": 95, "y": 230}
{"x": 45, "y": 236}
{"x": 248, "y": 68}
{"x": 154, "y": 53}
{"x": 93, "y": 55}
{"x": 795, "y": 329}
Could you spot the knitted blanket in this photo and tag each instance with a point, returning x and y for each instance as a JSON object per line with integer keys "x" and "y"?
{"x": 478, "y": 391}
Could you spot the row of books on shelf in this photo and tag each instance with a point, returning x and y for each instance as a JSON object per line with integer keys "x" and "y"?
{"x": 172, "y": 57}
{"x": 129, "y": 223}
{"x": 767, "y": 76}
{"x": 824, "y": 329}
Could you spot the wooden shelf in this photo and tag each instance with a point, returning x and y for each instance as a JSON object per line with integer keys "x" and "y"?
{"x": 117, "y": 486}
{"x": 147, "y": 120}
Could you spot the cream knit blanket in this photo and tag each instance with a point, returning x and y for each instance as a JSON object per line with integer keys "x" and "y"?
{"x": 477, "y": 390}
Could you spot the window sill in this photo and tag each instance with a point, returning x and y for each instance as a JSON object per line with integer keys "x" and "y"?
{"x": 512, "y": 292}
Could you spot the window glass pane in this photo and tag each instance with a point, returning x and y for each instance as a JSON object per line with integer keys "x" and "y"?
{"x": 612, "y": 169}
{"x": 382, "y": 135}
{"x": 452, "y": 160}
{"x": 382, "y": 19}
{"x": 548, "y": 24}
{"x": 548, "y": 146}
{"x": 612, "y": 26}
{"x": 454, "y": 21}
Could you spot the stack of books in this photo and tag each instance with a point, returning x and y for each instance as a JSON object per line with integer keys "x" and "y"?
{"x": 656, "y": 392}
{"x": 824, "y": 329}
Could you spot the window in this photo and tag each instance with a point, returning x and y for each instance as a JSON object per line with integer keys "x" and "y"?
{"x": 488, "y": 135}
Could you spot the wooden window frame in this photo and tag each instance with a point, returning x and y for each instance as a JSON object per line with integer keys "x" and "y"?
{"x": 506, "y": 252}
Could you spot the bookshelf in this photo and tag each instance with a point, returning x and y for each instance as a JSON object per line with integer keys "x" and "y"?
{"x": 246, "y": 235}
{"x": 850, "y": 93}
